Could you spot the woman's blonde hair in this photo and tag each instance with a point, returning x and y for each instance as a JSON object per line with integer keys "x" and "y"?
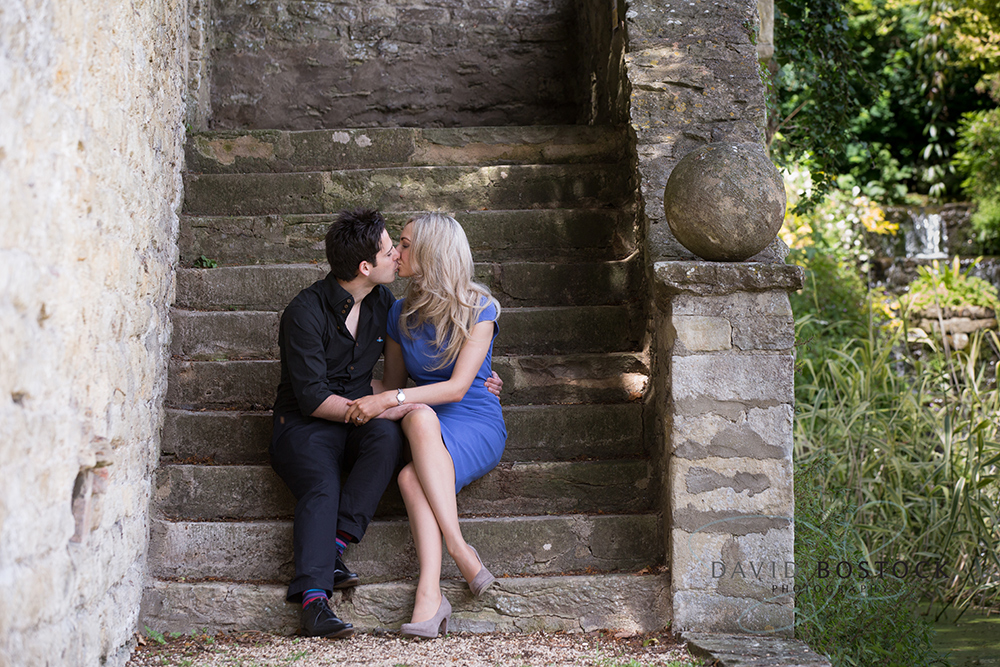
{"x": 441, "y": 290}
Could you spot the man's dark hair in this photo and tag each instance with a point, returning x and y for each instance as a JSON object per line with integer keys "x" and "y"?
{"x": 354, "y": 237}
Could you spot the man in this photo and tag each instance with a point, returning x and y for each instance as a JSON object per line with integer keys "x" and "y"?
{"x": 330, "y": 337}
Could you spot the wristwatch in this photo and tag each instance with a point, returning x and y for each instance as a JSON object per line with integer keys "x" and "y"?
{"x": 400, "y": 397}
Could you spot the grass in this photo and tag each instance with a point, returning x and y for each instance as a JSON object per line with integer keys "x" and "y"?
{"x": 901, "y": 444}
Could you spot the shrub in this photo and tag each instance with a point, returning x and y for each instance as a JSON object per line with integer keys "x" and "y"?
{"x": 979, "y": 158}
{"x": 948, "y": 287}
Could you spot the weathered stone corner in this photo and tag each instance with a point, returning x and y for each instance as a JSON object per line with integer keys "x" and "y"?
{"x": 725, "y": 360}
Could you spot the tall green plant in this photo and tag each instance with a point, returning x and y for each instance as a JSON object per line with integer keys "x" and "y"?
{"x": 916, "y": 446}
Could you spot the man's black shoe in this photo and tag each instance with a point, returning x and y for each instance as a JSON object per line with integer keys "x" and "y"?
{"x": 342, "y": 577}
{"x": 318, "y": 620}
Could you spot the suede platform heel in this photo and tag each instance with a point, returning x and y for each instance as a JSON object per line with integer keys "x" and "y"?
{"x": 483, "y": 578}
{"x": 433, "y": 627}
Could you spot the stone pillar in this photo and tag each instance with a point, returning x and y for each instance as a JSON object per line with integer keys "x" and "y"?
{"x": 726, "y": 362}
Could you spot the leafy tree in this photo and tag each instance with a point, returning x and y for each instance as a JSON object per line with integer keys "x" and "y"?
{"x": 870, "y": 91}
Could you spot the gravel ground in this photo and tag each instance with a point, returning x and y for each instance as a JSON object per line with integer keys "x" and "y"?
{"x": 597, "y": 649}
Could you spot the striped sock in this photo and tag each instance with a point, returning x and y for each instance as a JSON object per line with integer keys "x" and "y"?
{"x": 343, "y": 539}
{"x": 313, "y": 594}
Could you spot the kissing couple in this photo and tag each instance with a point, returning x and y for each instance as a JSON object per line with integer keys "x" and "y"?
{"x": 334, "y": 421}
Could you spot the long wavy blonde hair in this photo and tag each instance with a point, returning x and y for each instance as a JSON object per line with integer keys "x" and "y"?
{"x": 441, "y": 290}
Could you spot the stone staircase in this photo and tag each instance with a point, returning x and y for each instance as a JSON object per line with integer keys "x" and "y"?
{"x": 568, "y": 519}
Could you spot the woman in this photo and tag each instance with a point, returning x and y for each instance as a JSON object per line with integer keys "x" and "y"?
{"x": 441, "y": 334}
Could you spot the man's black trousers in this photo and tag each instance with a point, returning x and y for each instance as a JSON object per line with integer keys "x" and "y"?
{"x": 310, "y": 455}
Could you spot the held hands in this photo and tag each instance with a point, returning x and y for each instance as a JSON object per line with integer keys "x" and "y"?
{"x": 381, "y": 405}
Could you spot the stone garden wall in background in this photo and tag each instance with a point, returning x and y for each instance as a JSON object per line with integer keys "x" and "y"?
{"x": 91, "y": 132}
{"x": 311, "y": 64}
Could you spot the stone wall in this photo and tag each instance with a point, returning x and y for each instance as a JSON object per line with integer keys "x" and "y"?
{"x": 694, "y": 79}
{"x": 721, "y": 403}
{"x": 726, "y": 361}
{"x": 310, "y": 64}
{"x": 91, "y": 131}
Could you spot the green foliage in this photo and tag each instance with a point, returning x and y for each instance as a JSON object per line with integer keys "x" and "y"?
{"x": 818, "y": 88}
{"x": 205, "y": 263}
{"x": 869, "y": 93}
{"x": 979, "y": 152}
{"x": 914, "y": 444}
{"x": 978, "y": 158}
{"x": 948, "y": 287}
{"x": 832, "y": 305}
{"x": 986, "y": 223}
{"x": 155, "y": 635}
{"x": 855, "y": 621}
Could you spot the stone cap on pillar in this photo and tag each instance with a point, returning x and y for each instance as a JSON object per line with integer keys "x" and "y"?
{"x": 719, "y": 278}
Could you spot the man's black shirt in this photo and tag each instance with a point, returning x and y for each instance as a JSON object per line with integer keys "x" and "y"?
{"x": 319, "y": 358}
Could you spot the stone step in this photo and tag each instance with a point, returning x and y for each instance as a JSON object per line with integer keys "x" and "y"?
{"x": 209, "y": 493}
{"x": 495, "y": 236}
{"x": 271, "y": 287}
{"x": 559, "y": 330}
{"x": 407, "y": 189}
{"x": 321, "y": 150}
{"x": 535, "y": 433}
{"x": 510, "y": 546}
{"x": 531, "y": 379}
{"x": 632, "y": 602}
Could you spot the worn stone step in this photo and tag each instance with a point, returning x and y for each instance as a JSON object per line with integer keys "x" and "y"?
{"x": 320, "y": 150}
{"x": 535, "y": 433}
{"x": 584, "y": 603}
{"x": 525, "y": 235}
{"x": 271, "y": 287}
{"x": 530, "y": 379}
{"x": 407, "y": 189}
{"x": 208, "y": 493}
{"x": 559, "y": 330}
{"x": 510, "y": 546}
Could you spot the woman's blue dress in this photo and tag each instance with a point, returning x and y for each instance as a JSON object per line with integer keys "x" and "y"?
{"x": 473, "y": 429}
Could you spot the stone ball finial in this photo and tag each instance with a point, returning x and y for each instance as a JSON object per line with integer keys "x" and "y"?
{"x": 725, "y": 202}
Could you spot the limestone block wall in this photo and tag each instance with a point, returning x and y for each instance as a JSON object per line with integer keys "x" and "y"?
{"x": 309, "y": 64}
{"x": 91, "y": 130}
{"x": 726, "y": 381}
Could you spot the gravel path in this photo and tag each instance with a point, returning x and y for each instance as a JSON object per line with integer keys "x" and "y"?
{"x": 596, "y": 649}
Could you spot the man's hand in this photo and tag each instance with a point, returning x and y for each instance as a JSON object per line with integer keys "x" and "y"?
{"x": 494, "y": 384}
{"x": 367, "y": 408}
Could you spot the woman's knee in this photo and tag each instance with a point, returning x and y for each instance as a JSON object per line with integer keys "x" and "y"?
{"x": 421, "y": 423}
{"x": 408, "y": 481}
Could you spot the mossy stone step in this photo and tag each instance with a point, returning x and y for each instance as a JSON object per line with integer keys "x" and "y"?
{"x": 208, "y": 493}
{"x": 584, "y": 603}
{"x": 407, "y": 189}
{"x": 271, "y": 287}
{"x": 525, "y": 235}
{"x": 511, "y": 546}
{"x": 535, "y": 433}
{"x": 559, "y": 330}
{"x": 528, "y": 379}
{"x": 318, "y": 150}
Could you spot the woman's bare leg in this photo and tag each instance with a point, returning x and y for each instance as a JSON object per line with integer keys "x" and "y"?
{"x": 427, "y": 541}
{"x": 435, "y": 472}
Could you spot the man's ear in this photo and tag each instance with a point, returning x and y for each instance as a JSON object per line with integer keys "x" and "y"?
{"x": 364, "y": 268}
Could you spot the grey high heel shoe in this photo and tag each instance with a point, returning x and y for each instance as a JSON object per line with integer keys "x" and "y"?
{"x": 434, "y": 626}
{"x": 483, "y": 578}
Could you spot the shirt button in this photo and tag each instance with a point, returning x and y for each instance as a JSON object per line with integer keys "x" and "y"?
{"x": 352, "y": 368}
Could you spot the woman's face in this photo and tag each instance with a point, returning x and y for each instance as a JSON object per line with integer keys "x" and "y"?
{"x": 405, "y": 270}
